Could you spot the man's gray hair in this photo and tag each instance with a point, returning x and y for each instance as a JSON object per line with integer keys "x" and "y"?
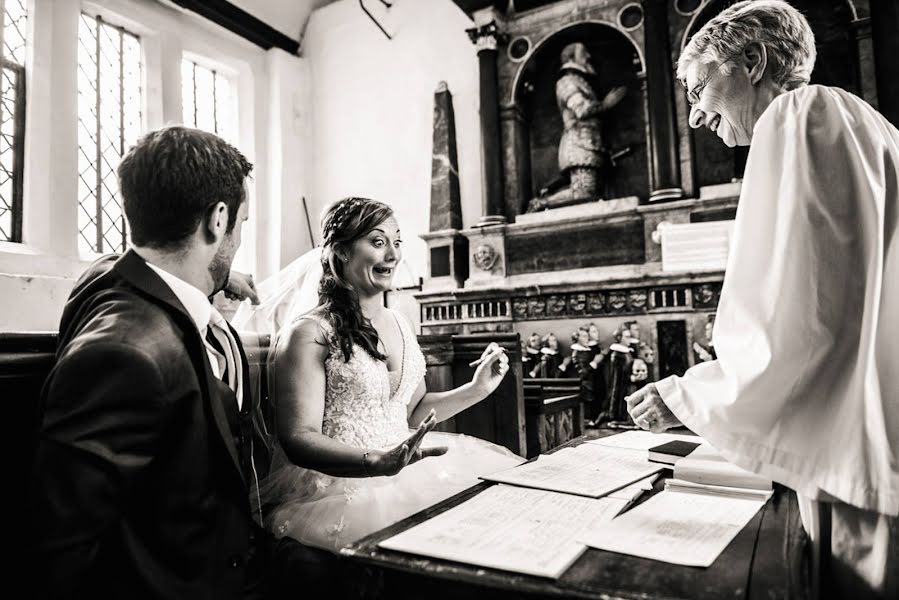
{"x": 783, "y": 30}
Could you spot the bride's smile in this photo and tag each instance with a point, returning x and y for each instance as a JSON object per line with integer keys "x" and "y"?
{"x": 370, "y": 263}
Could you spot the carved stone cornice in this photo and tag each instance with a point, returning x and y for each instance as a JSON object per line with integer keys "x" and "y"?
{"x": 594, "y": 301}
{"x": 487, "y": 36}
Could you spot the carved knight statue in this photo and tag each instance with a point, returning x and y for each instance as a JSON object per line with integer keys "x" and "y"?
{"x": 582, "y": 156}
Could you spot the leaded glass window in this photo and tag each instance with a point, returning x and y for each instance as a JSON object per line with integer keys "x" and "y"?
{"x": 206, "y": 99}
{"x": 13, "y": 20}
{"x": 109, "y": 122}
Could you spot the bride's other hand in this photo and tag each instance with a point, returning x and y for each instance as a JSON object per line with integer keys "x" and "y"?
{"x": 492, "y": 367}
{"x": 391, "y": 462}
{"x": 240, "y": 287}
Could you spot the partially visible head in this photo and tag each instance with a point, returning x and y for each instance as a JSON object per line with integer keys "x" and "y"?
{"x": 740, "y": 60}
{"x": 534, "y": 340}
{"x": 639, "y": 370}
{"x": 634, "y": 329}
{"x": 582, "y": 336}
{"x": 593, "y": 330}
{"x": 646, "y": 352}
{"x": 576, "y": 55}
{"x": 184, "y": 190}
{"x": 709, "y": 328}
{"x": 550, "y": 341}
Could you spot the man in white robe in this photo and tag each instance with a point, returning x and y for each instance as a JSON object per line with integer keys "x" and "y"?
{"x": 807, "y": 328}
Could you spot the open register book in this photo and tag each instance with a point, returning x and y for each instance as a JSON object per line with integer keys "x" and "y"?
{"x": 706, "y": 466}
{"x": 548, "y": 510}
{"x": 693, "y": 519}
{"x": 511, "y": 528}
{"x": 531, "y": 527}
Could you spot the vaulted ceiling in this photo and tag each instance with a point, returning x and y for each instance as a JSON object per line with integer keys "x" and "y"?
{"x": 281, "y": 23}
{"x": 267, "y": 23}
{"x": 287, "y": 16}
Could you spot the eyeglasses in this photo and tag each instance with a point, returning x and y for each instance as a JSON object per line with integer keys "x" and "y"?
{"x": 695, "y": 95}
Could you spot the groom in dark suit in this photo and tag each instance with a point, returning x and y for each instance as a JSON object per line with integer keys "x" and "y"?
{"x": 150, "y": 441}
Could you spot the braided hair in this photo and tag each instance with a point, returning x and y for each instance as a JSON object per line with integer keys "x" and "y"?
{"x": 343, "y": 223}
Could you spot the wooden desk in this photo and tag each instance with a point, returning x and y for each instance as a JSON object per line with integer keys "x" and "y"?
{"x": 765, "y": 560}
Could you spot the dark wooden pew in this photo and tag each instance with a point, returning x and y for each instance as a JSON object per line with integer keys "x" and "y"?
{"x": 554, "y": 413}
{"x": 499, "y": 418}
{"x": 25, "y": 362}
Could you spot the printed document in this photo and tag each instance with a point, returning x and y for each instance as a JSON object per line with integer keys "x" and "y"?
{"x": 680, "y": 526}
{"x": 705, "y": 465}
{"x": 586, "y": 470}
{"x": 510, "y": 528}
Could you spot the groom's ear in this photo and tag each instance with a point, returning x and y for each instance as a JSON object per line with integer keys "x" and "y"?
{"x": 215, "y": 222}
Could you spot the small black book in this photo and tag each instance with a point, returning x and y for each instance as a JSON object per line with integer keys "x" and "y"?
{"x": 669, "y": 452}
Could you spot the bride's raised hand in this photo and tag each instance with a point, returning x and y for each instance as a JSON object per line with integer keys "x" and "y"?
{"x": 391, "y": 462}
{"x": 492, "y": 367}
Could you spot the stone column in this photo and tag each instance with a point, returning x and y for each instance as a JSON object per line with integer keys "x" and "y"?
{"x": 516, "y": 160}
{"x": 884, "y": 24}
{"x": 863, "y": 71}
{"x": 486, "y": 38}
{"x": 665, "y": 183}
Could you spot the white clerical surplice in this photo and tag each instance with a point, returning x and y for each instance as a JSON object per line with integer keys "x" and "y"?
{"x": 805, "y": 387}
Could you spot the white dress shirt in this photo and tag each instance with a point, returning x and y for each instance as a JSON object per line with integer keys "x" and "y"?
{"x": 202, "y": 313}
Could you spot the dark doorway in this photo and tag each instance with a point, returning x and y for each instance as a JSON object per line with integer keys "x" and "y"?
{"x": 672, "y": 336}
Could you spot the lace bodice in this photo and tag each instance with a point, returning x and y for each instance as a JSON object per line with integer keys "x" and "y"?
{"x": 365, "y": 404}
{"x": 365, "y": 408}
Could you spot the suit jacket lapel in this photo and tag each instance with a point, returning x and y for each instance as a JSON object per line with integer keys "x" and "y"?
{"x": 214, "y": 393}
{"x": 133, "y": 268}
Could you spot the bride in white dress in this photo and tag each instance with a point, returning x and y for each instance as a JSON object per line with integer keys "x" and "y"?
{"x": 347, "y": 379}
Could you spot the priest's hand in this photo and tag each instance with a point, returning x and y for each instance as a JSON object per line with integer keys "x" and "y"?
{"x": 391, "y": 462}
{"x": 649, "y": 411}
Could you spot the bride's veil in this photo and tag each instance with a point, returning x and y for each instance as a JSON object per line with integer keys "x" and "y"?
{"x": 285, "y": 296}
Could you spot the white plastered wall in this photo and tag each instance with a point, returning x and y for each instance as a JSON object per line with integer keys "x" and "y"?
{"x": 372, "y": 104}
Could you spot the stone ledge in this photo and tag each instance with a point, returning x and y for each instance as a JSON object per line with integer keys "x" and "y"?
{"x": 575, "y": 280}
{"x": 579, "y": 212}
{"x": 721, "y": 190}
